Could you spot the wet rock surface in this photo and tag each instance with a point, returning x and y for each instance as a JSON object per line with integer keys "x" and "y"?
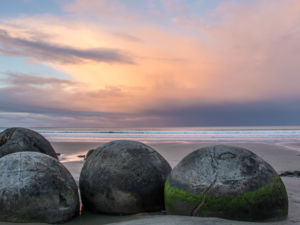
{"x": 124, "y": 177}
{"x": 24, "y": 140}
{"x": 290, "y": 174}
{"x": 35, "y": 187}
{"x": 228, "y": 182}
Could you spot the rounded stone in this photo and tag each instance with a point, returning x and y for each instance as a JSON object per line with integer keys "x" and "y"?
{"x": 227, "y": 182}
{"x": 35, "y": 187}
{"x": 124, "y": 177}
{"x": 24, "y": 140}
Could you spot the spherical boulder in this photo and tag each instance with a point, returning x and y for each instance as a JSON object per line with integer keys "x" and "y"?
{"x": 35, "y": 187}
{"x": 123, "y": 177}
{"x": 24, "y": 140}
{"x": 227, "y": 182}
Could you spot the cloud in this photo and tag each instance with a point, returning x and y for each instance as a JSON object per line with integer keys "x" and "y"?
{"x": 259, "y": 113}
{"x": 24, "y": 113}
{"x": 110, "y": 10}
{"x": 42, "y": 51}
{"x": 234, "y": 64}
{"x": 127, "y": 37}
{"x": 240, "y": 47}
{"x": 25, "y": 79}
{"x": 31, "y": 93}
{"x": 31, "y": 100}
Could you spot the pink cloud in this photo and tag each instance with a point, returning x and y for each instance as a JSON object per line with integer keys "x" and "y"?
{"x": 244, "y": 52}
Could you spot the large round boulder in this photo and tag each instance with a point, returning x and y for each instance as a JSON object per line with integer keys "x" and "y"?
{"x": 35, "y": 187}
{"x": 124, "y": 177}
{"x": 228, "y": 182}
{"x": 24, "y": 140}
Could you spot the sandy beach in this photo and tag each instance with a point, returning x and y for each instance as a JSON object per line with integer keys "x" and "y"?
{"x": 283, "y": 157}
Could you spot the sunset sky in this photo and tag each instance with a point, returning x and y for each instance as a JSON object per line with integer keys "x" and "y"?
{"x": 133, "y": 63}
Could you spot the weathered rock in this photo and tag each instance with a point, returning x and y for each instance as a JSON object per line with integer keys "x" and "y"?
{"x": 228, "y": 182}
{"x": 89, "y": 153}
{"x": 124, "y": 177}
{"x": 24, "y": 140}
{"x": 290, "y": 174}
{"x": 35, "y": 187}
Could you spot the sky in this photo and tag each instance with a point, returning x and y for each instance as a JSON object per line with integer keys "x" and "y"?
{"x": 151, "y": 63}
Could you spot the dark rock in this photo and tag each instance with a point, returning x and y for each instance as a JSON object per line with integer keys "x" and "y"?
{"x": 89, "y": 153}
{"x": 81, "y": 156}
{"x": 35, "y": 187}
{"x": 123, "y": 177}
{"x": 24, "y": 140}
{"x": 290, "y": 174}
{"x": 228, "y": 182}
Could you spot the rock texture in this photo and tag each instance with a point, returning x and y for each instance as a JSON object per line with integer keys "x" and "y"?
{"x": 124, "y": 177}
{"x": 89, "y": 153}
{"x": 24, "y": 140}
{"x": 290, "y": 174}
{"x": 35, "y": 187}
{"x": 228, "y": 182}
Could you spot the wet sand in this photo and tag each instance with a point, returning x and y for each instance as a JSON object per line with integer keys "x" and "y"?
{"x": 283, "y": 157}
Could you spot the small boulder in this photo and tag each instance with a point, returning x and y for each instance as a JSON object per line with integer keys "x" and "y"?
{"x": 227, "y": 182}
{"x": 24, "y": 140}
{"x": 124, "y": 177}
{"x": 35, "y": 187}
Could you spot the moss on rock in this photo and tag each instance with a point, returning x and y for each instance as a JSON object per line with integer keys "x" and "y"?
{"x": 268, "y": 202}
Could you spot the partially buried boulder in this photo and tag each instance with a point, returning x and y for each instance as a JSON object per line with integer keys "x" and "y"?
{"x": 35, "y": 187}
{"x": 24, "y": 140}
{"x": 124, "y": 177}
{"x": 228, "y": 182}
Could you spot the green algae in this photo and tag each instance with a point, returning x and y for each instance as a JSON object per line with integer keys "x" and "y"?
{"x": 269, "y": 201}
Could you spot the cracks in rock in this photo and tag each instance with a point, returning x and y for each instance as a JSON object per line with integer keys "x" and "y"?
{"x": 214, "y": 165}
{"x": 199, "y": 205}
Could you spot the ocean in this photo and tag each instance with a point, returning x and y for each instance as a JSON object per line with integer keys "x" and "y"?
{"x": 270, "y": 135}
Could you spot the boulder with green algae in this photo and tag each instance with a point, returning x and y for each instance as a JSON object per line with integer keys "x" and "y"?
{"x": 227, "y": 182}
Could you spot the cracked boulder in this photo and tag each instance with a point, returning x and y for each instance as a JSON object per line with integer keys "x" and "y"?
{"x": 24, "y": 140}
{"x": 124, "y": 177}
{"x": 35, "y": 187}
{"x": 227, "y": 182}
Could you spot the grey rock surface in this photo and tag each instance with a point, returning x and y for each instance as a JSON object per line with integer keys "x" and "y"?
{"x": 89, "y": 153}
{"x": 225, "y": 181}
{"x": 35, "y": 187}
{"x": 24, "y": 140}
{"x": 124, "y": 177}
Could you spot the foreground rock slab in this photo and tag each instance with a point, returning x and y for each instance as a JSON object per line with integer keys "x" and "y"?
{"x": 124, "y": 177}
{"x": 227, "y": 182}
{"x": 35, "y": 187}
{"x": 180, "y": 220}
{"x": 24, "y": 140}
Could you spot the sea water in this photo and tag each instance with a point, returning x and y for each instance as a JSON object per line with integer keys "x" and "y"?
{"x": 270, "y": 135}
